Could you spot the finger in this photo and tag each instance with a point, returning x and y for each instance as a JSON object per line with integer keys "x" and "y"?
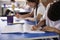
{"x": 43, "y": 29}
{"x": 34, "y": 28}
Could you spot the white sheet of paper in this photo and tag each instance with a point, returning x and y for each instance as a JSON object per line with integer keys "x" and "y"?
{"x": 12, "y": 29}
{"x": 18, "y": 20}
{"x": 36, "y": 32}
{"x": 27, "y": 28}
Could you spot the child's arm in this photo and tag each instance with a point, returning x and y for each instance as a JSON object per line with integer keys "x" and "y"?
{"x": 39, "y": 17}
{"x": 32, "y": 19}
{"x": 51, "y": 29}
{"x": 57, "y": 31}
{"x": 38, "y": 25}
{"x": 24, "y": 16}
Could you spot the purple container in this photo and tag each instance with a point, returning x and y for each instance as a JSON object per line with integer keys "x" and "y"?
{"x": 9, "y": 20}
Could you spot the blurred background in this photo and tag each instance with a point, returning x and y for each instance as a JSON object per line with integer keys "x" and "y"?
{"x": 7, "y": 2}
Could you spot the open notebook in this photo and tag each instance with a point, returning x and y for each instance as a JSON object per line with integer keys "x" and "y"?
{"x": 20, "y": 26}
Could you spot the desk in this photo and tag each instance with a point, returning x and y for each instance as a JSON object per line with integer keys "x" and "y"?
{"x": 26, "y": 36}
{"x": 19, "y": 10}
{"x": 18, "y": 36}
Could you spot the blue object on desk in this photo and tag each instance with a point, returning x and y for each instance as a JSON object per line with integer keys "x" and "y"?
{"x": 31, "y": 22}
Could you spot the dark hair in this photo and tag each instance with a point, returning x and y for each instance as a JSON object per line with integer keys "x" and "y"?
{"x": 12, "y": 0}
{"x": 36, "y": 1}
{"x": 54, "y": 12}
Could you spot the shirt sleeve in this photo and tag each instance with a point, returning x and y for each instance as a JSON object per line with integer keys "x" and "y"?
{"x": 40, "y": 10}
{"x": 58, "y": 26}
{"x": 44, "y": 16}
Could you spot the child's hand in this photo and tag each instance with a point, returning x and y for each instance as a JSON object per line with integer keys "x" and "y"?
{"x": 47, "y": 28}
{"x": 34, "y": 28}
{"x": 17, "y": 15}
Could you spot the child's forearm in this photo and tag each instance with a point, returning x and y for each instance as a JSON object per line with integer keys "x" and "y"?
{"x": 39, "y": 17}
{"x": 57, "y": 31}
{"x": 26, "y": 15}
